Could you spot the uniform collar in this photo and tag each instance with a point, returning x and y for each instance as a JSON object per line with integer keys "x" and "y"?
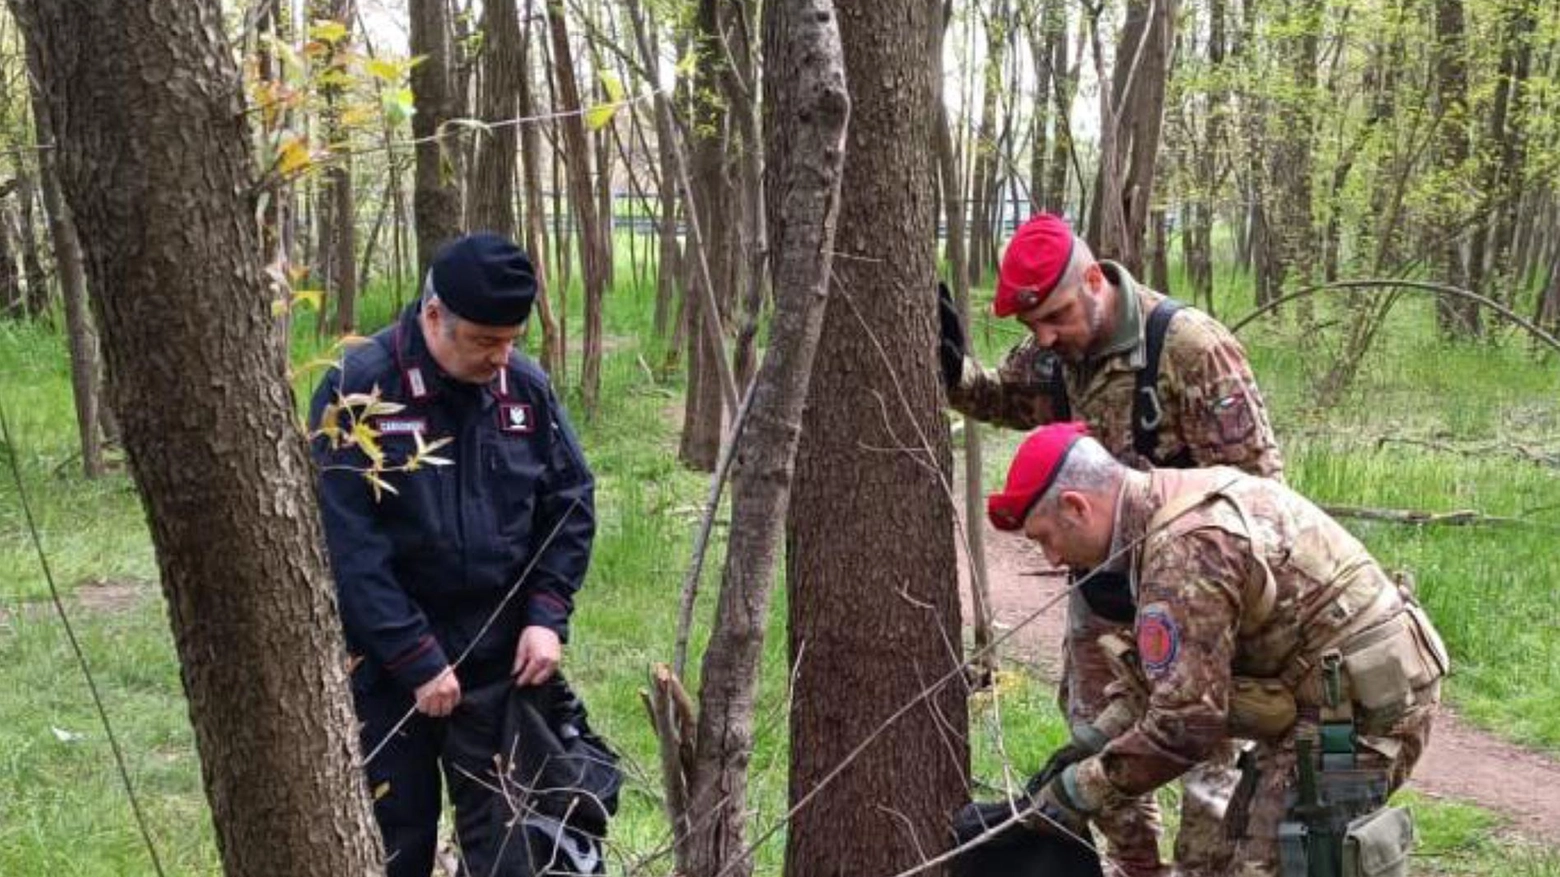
{"x": 1135, "y": 506}
{"x": 1128, "y": 337}
{"x": 417, "y": 363}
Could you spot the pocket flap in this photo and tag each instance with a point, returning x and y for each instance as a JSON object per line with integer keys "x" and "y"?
{"x": 1377, "y": 844}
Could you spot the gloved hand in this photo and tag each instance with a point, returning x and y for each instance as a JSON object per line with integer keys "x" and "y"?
{"x": 1070, "y": 754}
{"x": 1056, "y": 811}
{"x": 951, "y": 347}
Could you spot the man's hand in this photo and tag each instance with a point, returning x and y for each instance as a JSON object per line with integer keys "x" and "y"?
{"x": 1056, "y": 812}
{"x": 438, "y": 696}
{"x": 951, "y": 347}
{"x": 537, "y": 655}
{"x": 1063, "y": 758}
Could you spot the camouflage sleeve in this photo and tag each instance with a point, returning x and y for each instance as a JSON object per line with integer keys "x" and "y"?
{"x": 1019, "y": 394}
{"x": 1189, "y": 607}
{"x": 1223, "y": 419}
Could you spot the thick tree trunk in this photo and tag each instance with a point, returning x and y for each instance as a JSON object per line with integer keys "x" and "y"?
{"x": 154, "y": 165}
{"x": 492, "y": 202}
{"x": 1061, "y": 98}
{"x": 804, "y": 86}
{"x": 576, "y": 155}
{"x": 871, "y": 566}
{"x": 435, "y": 199}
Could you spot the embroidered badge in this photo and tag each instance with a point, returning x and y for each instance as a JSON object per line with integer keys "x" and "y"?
{"x": 415, "y": 383}
{"x": 515, "y": 417}
{"x": 400, "y": 425}
{"x": 1158, "y": 640}
{"x": 1232, "y": 418}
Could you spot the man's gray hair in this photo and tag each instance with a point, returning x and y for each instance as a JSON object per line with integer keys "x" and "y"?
{"x": 429, "y": 294}
{"x": 1088, "y": 468}
{"x": 1082, "y": 258}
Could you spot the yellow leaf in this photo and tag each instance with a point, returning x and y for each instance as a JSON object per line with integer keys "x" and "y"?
{"x": 377, "y": 408}
{"x": 612, "y": 85}
{"x": 359, "y": 400}
{"x": 294, "y": 156}
{"x": 278, "y": 308}
{"x": 379, "y": 484}
{"x": 328, "y": 31}
{"x": 687, "y": 64}
{"x": 314, "y": 298}
{"x": 385, "y": 71}
{"x": 381, "y": 790}
{"x": 598, "y": 116}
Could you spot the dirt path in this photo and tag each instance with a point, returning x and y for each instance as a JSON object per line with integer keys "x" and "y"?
{"x": 1462, "y": 763}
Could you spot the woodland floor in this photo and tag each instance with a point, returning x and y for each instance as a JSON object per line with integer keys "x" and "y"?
{"x": 1463, "y": 763}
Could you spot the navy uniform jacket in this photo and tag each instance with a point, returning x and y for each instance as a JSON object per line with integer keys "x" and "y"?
{"x": 419, "y": 571}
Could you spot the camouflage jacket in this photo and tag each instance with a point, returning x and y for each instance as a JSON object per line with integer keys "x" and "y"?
{"x": 1238, "y": 576}
{"x": 1209, "y": 399}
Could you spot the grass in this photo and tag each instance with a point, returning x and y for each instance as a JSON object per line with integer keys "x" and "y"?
{"x": 62, "y": 810}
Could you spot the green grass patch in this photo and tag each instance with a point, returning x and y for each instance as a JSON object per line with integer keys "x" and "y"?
{"x": 1491, "y": 590}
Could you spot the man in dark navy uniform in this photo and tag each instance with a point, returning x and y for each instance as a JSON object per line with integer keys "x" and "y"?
{"x": 455, "y": 568}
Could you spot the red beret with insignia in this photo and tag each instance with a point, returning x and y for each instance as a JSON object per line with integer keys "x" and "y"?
{"x": 1035, "y": 260}
{"x": 1033, "y": 469}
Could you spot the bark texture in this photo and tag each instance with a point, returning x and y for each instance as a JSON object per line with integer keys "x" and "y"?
{"x": 807, "y": 105}
{"x": 154, "y": 164}
{"x": 435, "y": 199}
{"x": 871, "y": 570}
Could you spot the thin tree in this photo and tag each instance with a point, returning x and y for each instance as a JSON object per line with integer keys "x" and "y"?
{"x": 871, "y": 567}
{"x": 160, "y": 180}
{"x": 435, "y": 198}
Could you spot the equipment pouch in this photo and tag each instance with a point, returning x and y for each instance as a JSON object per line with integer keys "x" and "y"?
{"x": 1386, "y": 665}
{"x": 1292, "y": 858}
{"x": 1260, "y": 709}
{"x": 1377, "y": 844}
{"x": 1429, "y": 640}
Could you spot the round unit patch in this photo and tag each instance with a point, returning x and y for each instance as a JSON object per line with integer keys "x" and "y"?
{"x": 1158, "y": 639}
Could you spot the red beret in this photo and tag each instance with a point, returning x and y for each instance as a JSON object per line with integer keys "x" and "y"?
{"x": 1033, "y": 265}
{"x": 1033, "y": 469}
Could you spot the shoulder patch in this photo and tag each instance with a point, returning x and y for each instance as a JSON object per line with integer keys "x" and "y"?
{"x": 1158, "y": 638}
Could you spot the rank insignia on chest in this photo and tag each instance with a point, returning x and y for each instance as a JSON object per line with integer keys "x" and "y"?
{"x": 516, "y": 417}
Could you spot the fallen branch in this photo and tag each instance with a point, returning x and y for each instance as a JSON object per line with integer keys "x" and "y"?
{"x": 1415, "y": 517}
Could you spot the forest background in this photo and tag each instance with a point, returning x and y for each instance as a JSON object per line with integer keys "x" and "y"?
{"x": 1365, "y": 190}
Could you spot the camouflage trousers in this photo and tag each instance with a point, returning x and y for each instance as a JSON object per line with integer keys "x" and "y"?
{"x": 1394, "y": 753}
{"x": 1132, "y": 832}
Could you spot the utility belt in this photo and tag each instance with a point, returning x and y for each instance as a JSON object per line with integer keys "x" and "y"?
{"x": 1338, "y": 823}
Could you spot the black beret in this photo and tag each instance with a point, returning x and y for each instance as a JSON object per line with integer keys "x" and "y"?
{"x": 485, "y": 278}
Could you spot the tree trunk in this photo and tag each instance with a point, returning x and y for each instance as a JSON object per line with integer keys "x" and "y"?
{"x": 492, "y": 202}
{"x": 338, "y": 243}
{"x": 741, "y": 93}
{"x": 36, "y": 278}
{"x": 713, "y": 204}
{"x": 85, "y": 359}
{"x": 435, "y": 200}
{"x": 805, "y": 97}
{"x": 12, "y": 296}
{"x": 576, "y": 154}
{"x": 974, "y": 498}
{"x": 871, "y": 566}
{"x": 161, "y": 197}
{"x": 552, "y": 352}
{"x": 1137, "y": 102}
{"x": 1453, "y": 315}
{"x": 1066, "y": 84}
{"x": 1197, "y": 240}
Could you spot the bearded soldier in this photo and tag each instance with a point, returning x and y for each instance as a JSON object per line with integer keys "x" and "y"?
{"x": 1159, "y": 384}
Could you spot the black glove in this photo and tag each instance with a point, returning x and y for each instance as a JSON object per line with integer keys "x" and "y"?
{"x": 1063, "y": 758}
{"x": 951, "y": 348}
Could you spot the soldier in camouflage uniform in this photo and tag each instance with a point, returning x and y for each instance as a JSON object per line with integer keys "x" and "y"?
{"x": 1258, "y": 616}
{"x": 1087, "y": 353}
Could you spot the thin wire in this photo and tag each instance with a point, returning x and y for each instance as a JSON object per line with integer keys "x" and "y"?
{"x": 75, "y": 645}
